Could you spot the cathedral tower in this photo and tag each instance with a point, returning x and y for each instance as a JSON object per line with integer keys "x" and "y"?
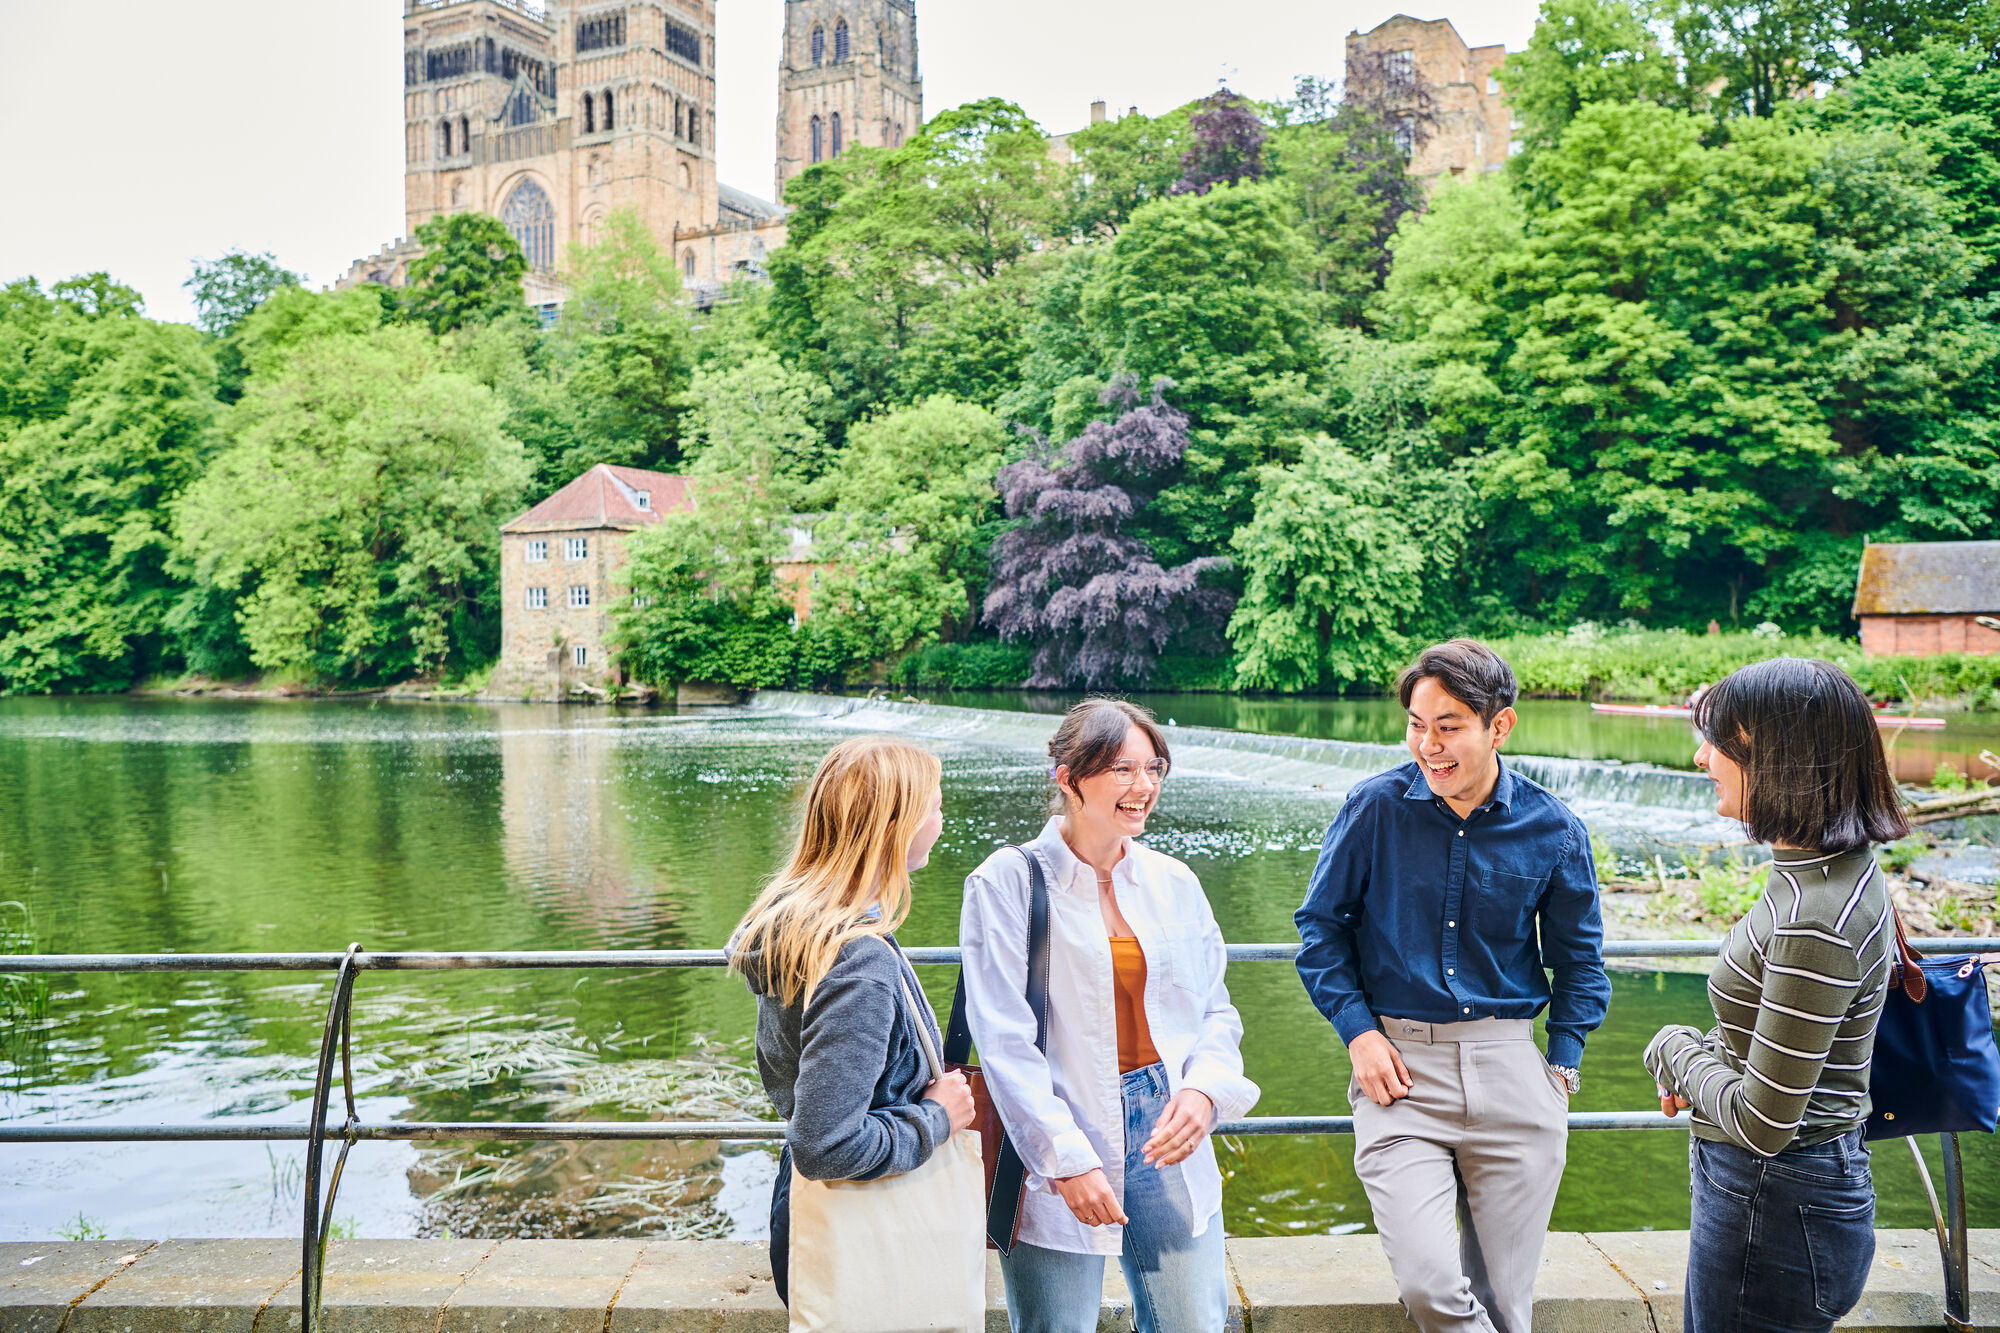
{"x": 848, "y": 76}
{"x": 549, "y": 118}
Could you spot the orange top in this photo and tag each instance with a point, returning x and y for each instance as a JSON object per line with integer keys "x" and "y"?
{"x": 1128, "y": 975}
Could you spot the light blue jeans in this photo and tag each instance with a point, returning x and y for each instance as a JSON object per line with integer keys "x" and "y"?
{"x": 1176, "y": 1277}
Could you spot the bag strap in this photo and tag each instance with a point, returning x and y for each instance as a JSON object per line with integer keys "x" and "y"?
{"x": 923, "y": 1032}
{"x": 1915, "y": 985}
{"x": 958, "y": 1033}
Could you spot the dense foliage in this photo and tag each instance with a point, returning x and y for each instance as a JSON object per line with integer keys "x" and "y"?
{"x": 1727, "y": 314}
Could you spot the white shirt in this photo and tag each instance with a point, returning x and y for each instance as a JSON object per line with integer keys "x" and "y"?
{"x": 1065, "y": 1112}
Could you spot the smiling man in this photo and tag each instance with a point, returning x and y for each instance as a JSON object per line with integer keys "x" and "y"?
{"x": 1447, "y": 890}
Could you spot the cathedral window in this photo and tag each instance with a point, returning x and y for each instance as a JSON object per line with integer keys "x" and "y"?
{"x": 531, "y": 221}
{"x": 684, "y": 42}
{"x": 594, "y": 34}
{"x": 589, "y": 115}
{"x": 836, "y": 134}
{"x": 818, "y": 45}
{"x": 840, "y": 51}
{"x": 817, "y": 154}
{"x": 444, "y": 138}
{"x": 687, "y": 262}
{"x": 523, "y": 109}
{"x": 610, "y": 113}
{"x": 464, "y": 135}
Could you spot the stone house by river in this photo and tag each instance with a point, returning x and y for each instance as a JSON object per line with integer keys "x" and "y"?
{"x": 559, "y": 566}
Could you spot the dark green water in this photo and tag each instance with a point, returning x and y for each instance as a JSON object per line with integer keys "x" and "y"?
{"x": 213, "y": 826}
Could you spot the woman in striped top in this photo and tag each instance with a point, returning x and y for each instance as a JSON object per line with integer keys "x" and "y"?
{"x": 1784, "y": 1207}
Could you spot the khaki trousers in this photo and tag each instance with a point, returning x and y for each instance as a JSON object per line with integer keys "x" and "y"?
{"x": 1462, "y": 1173}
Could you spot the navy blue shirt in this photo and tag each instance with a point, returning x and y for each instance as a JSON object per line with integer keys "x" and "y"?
{"x": 1415, "y": 913}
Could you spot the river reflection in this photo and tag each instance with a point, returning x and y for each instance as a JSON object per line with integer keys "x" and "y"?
{"x": 150, "y": 825}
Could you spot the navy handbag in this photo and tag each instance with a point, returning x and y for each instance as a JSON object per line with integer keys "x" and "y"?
{"x": 1936, "y": 1069}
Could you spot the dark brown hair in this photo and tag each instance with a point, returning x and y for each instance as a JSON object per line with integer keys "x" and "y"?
{"x": 1814, "y": 774}
{"x": 1469, "y": 672}
{"x": 1089, "y": 738}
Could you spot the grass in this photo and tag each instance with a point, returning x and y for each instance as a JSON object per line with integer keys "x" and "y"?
{"x": 24, "y": 996}
{"x": 81, "y": 1228}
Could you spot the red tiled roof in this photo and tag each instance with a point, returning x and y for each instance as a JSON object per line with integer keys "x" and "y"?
{"x": 608, "y": 497}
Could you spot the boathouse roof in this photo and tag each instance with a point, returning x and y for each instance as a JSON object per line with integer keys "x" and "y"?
{"x": 608, "y": 497}
{"x": 1929, "y": 579}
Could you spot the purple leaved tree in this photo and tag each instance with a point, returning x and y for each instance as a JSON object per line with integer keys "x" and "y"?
{"x": 1228, "y": 144}
{"x": 1070, "y": 580}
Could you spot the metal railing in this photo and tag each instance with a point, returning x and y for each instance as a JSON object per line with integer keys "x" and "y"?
{"x": 1948, "y": 1216}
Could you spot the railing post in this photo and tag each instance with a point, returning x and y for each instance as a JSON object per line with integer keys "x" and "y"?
{"x": 312, "y": 1270}
{"x": 1957, "y": 1251}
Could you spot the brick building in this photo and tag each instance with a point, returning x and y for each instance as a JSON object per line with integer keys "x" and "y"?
{"x": 1917, "y": 599}
{"x": 559, "y": 567}
{"x": 1474, "y": 131}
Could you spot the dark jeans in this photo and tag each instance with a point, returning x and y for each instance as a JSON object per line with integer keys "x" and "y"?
{"x": 1778, "y": 1244}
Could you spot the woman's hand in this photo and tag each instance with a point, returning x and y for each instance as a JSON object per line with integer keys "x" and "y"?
{"x": 1672, "y": 1103}
{"x": 954, "y": 1094}
{"x": 1181, "y": 1128}
{"x": 1089, "y": 1196}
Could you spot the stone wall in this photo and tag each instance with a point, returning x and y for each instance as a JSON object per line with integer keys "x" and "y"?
{"x": 1601, "y": 1282}
{"x": 538, "y": 645}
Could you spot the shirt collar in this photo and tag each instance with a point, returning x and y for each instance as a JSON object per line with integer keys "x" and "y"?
{"x": 1064, "y": 866}
{"x": 1503, "y": 790}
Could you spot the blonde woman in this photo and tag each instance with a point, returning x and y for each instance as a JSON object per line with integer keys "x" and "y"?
{"x": 837, "y": 1045}
{"x": 1142, "y": 1060}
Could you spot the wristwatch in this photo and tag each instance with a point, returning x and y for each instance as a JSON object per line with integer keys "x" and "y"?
{"x": 1572, "y": 1079}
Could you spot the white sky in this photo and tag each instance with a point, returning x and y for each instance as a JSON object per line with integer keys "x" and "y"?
{"x": 136, "y": 136}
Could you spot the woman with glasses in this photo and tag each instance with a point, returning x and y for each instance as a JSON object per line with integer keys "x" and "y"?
{"x": 1142, "y": 1056}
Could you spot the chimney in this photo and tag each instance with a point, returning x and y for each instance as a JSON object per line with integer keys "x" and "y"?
{"x": 1097, "y": 111}
{"x": 1133, "y": 112}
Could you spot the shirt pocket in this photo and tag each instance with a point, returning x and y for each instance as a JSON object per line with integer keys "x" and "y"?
{"x": 1503, "y": 909}
{"x": 1182, "y": 959}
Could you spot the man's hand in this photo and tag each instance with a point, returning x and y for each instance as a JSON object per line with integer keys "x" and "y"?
{"x": 1089, "y": 1196}
{"x": 1181, "y": 1128}
{"x": 1378, "y": 1068}
{"x": 1672, "y": 1103}
{"x": 954, "y": 1094}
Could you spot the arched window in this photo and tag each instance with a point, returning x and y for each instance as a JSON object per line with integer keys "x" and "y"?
{"x": 818, "y": 45}
{"x": 694, "y": 127}
{"x": 687, "y": 177}
{"x": 840, "y": 41}
{"x": 444, "y": 138}
{"x": 589, "y": 115}
{"x": 610, "y": 118}
{"x": 687, "y": 262}
{"x": 836, "y": 134}
{"x": 532, "y": 222}
{"x": 817, "y": 154}
{"x": 458, "y": 194}
{"x": 464, "y": 135}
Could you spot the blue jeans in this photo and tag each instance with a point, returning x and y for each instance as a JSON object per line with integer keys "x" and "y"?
{"x": 1778, "y": 1244}
{"x": 1176, "y": 1277}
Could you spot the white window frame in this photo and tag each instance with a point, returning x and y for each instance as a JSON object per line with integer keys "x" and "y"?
{"x": 579, "y": 595}
{"x": 645, "y": 499}
{"x": 576, "y": 548}
{"x": 538, "y": 598}
{"x": 537, "y": 551}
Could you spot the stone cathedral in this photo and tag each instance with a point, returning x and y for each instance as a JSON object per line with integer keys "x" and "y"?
{"x": 549, "y": 117}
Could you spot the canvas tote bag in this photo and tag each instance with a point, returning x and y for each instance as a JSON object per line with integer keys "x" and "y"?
{"x": 896, "y": 1255}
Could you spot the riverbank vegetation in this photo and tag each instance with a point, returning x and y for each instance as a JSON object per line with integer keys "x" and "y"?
{"x": 1220, "y": 398}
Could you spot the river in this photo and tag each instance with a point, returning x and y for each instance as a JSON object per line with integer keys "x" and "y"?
{"x": 161, "y": 824}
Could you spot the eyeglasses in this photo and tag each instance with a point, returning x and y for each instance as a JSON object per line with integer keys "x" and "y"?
{"x": 1125, "y": 772}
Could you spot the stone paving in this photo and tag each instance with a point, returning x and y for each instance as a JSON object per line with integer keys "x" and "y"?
{"x": 1598, "y": 1282}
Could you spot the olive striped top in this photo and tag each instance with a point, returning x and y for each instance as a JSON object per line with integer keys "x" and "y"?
{"x": 1797, "y": 993}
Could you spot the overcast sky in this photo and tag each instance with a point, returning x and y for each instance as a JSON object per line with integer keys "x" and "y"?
{"x": 136, "y": 136}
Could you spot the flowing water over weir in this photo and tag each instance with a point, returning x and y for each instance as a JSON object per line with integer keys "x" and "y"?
{"x": 166, "y": 825}
{"x": 1634, "y": 807}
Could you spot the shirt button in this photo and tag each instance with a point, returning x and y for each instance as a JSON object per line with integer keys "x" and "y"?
{"x": 1452, "y": 924}
{"x": 1451, "y": 971}
{"x": 1468, "y": 1009}
{"x": 1461, "y": 833}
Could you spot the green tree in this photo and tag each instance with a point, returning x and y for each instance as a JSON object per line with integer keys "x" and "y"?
{"x": 1757, "y": 54}
{"x": 1212, "y": 292}
{"x": 1118, "y": 165}
{"x": 758, "y": 420}
{"x": 227, "y": 289}
{"x": 107, "y": 422}
{"x": 469, "y": 273}
{"x": 1585, "y": 51}
{"x": 1345, "y": 564}
{"x": 353, "y": 514}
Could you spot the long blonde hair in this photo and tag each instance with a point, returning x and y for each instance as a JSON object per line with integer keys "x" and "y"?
{"x": 866, "y": 803}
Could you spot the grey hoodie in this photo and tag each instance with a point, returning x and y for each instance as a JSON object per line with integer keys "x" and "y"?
{"x": 846, "y": 1069}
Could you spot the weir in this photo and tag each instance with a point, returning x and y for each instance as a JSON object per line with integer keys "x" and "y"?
{"x": 1634, "y": 807}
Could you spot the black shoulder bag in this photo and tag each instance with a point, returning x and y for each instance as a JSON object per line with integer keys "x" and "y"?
{"x": 1006, "y": 1174}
